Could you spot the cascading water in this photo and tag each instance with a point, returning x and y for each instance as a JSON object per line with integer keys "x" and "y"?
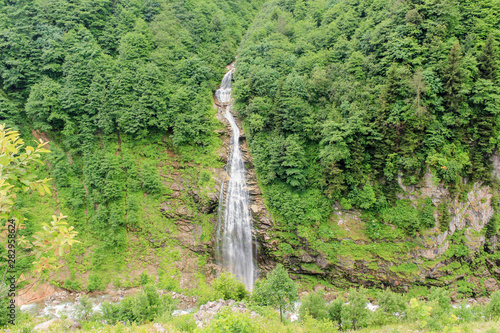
{"x": 234, "y": 239}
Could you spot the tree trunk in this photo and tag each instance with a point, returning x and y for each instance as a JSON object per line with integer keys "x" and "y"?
{"x": 281, "y": 314}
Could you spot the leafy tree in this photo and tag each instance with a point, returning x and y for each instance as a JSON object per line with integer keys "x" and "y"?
{"x": 48, "y": 244}
{"x": 229, "y": 287}
{"x": 277, "y": 290}
{"x": 354, "y": 314}
{"x": 314, "y": 305}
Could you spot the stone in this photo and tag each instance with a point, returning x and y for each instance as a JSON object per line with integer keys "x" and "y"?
{"x": 491, "y": 284}
{"x": 157, "y": 328}
{"x": 46, "y": 325}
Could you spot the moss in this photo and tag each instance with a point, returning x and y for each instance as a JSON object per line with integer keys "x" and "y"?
{"x": 312, "y": 268}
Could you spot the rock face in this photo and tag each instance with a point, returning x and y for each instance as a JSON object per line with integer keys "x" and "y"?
{"x": 429, "y": 258}
{"x": 433, "y": 257}
{"x": 208, "y": 311}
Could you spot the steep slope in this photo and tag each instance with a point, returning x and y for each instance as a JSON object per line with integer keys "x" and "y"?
{"x": 123, "y": 89}
{"x": 373, "y": 126}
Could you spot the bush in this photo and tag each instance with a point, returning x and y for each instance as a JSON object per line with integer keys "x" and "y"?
{"x": 142, "y": 307}
{"x": 444, "y": 217}
{"x": 184, "y": 323}
{"x": 227, "y": 286}
{"x": 227, "y": 321}
{"x": 313, "y": 325}
{"x": 493, "y": 307}
{"x": 314, "y": 305}
{"x": 334, "y": 310}
{"x": 354, "y": 314}
{"x": 150, "y": 179}
{"x": 95, "y": 283}
{"x": 84, "y": 308}
{"x": 391, "y": 303}
{"x": 4, "y": 311}
{"x": 441, "y": 297}
{"x": 144, "y": 278}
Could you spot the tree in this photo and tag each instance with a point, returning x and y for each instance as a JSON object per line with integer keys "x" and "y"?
{"x": 15, "y": 176}
{"x": 354, "y": 314}
{"x": 276, "y": 290}
{"x": 488, "y": 59}
{"x": 453, "y": 77}
{"x": 227, "y": 286}
{"x": 314, "y": 305}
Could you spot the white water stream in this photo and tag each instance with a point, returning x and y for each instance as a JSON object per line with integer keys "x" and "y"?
{"x": 234, "y": 241}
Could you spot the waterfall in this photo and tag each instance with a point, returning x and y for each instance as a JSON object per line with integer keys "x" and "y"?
{"x": 234, "y": 234}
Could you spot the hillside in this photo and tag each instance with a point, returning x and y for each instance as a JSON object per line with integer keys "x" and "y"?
{"x": 373, "y": 127}
{"x": 123, "y": 90}
{"x": 372, "y": 131}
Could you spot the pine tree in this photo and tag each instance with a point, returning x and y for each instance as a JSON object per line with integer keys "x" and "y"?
{"x": 488, "y": 59}
{"x": 453, "y": 77}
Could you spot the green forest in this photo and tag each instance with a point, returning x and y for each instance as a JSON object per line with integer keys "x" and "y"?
{"x": 113, "y": 85}
{"x": 372, "y": 128}
{"x": 340, "y": 99}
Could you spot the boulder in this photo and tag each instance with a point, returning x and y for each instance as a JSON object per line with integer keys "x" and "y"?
{"x": 491, "y": 284}
{"x": 208, "y": 311}
{"x": 158, "y": 328}
{"x": 46, "y": 325}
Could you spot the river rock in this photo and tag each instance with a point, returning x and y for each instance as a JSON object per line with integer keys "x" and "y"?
{"x": 208, "y": 311}
{"x": 158, "y": 328}
{"x": 46, "y": 325}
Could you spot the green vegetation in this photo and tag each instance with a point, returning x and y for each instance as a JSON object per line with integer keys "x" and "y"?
{"x": 277, "y": 290}
{"x": 123, "y": 90}
{"x": 348, "y": 106}
{"x": 403, "y": 313}
{"x": 226, "y": 286}
{"x": 38, "y": 247}
{"x": 348, "y": 102}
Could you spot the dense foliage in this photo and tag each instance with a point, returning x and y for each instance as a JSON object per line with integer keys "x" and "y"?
{"x": 116, "y": 66}
{"x": 113, "y": 85}
{"x": 344, "y": 100}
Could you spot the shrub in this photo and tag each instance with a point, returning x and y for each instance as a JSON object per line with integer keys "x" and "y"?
{"x": 144, "y": 278}
{"x": 493, "y": 307}
{"x": 418, "y": 312}
{"x": 334, "y": 310}
{"x": 427, "y": 214}
{"x": 150, "y": 179}
{"x": 276, "y": 290}
{"x": 184, "y": 323}
{"x": 444, "y": 217}
{"x": 227, "y": 321}
{"x": 314, "y": 325}
{"x": 441, "y": 297}
{"x": 4, "y": 311}
{"x": 314, "y": 306}
{"x": 354, "y": 314}
{"x": 71, "y": 284}
{"x": 95, "y": 283}
{"x": 391, "y": 303}
{"x": 227, "y": 287}
{"x": 404, "y": 216}
{"x": 142, "y": 307}
{"x": 84, "y": 308}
